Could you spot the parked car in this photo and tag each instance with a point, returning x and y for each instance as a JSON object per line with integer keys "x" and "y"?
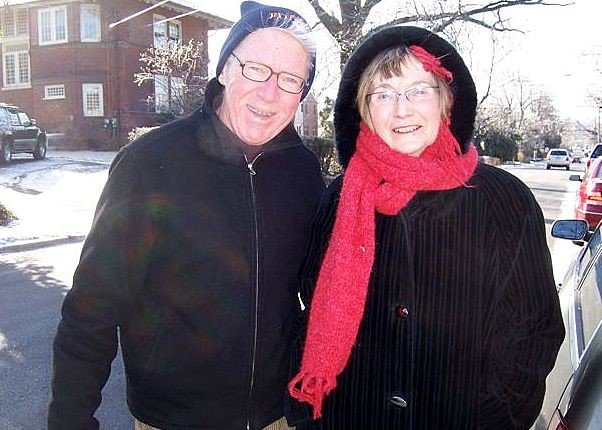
{"x": 20, "y": 134}
{"x": 558, "y": 158}
{"x": 573, "y": 399}
{"x": 595, "y": 153}
{"x": 588, "y": 205}
{"x": 577, "y": 155}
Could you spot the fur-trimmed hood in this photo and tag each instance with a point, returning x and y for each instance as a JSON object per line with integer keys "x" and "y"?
{"x": 346, "y": 114}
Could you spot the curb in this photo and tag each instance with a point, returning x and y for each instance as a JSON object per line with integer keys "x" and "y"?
{"x": 42, "y": 243}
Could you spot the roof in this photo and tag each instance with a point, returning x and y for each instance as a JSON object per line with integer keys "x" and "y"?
{"x": 179, "y": 6}
{"x": 186, "y": 6}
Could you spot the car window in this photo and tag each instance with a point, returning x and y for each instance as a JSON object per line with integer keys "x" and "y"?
{"x": 592, "y": 246}
{"x": 4, "y": 118}
{"x": 23, "y": 118}
{"x": 558, "y": 152}
{"x": 597, "y": 151}
{"x": 14, "y": 119}
{"x": 591, "y": 301}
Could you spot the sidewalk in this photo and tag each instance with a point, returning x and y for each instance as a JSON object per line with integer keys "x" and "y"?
{"x": 56, "y": 206}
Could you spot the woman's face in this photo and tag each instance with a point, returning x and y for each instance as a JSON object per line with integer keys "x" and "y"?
{"x": 406, "y": 126}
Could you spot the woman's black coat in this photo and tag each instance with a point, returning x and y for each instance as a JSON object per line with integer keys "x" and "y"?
{"x": 462, "y": 320}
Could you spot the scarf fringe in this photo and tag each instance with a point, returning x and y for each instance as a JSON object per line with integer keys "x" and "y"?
{"x": 313, "y": 390}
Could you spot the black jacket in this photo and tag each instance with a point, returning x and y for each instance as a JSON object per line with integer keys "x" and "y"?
{"x": 194, "y": 255}
{"x": 462, "y": 319}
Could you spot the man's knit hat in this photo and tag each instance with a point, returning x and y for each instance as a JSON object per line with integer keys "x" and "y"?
{"x": 254, "y": 16}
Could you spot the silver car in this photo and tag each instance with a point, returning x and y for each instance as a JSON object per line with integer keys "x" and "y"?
{"x": 558, "y": 158}
{"x": 573, "y": 399}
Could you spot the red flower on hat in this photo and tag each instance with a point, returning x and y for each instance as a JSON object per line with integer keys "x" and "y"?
{"x": 430, "y": 62}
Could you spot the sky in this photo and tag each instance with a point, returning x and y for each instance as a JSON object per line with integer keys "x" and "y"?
{"x": 560, "y": 51}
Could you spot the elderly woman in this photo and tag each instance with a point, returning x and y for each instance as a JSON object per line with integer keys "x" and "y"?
{"x": 434, "y": 304}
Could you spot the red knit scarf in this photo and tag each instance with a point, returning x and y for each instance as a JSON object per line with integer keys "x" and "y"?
{"x": 377, "y": 178}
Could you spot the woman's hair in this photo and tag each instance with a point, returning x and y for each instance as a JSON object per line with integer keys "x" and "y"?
{"x": 387, "y": 64}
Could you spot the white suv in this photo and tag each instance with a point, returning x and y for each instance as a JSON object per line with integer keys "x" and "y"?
{"x": 558, "y": 158}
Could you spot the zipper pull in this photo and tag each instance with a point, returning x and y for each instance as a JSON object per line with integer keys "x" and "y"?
{"x": 251, "y": 169}
{"x": 250, "y": 163}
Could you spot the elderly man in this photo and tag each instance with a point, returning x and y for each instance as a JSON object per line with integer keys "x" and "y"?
{"x": 195, "y": 248}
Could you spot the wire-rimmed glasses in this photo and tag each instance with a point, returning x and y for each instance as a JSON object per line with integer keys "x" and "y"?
{"x": 417, "y": 94}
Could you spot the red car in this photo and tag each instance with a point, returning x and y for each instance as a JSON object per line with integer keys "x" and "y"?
{"x": 589, "y": 197}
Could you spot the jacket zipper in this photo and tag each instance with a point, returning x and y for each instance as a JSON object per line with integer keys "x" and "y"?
{"x": 252, "y": 174}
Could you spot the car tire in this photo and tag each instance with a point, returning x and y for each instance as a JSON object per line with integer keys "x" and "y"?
{"x": 548, "y": 167}
{"x": 568, "y": 168}
{"x": 39, "y": 153}
{"x": 6, "y": 153}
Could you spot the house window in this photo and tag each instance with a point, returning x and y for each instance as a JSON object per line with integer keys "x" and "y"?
{"x": 54, "y": 92}
{"x": 161, "y": 94}
{"x": 92, "y": 100}
{"x": 14, "y": 21}
{"x": 169, "y": 94}
{"x": 159, "y": 30}
{"x": 52, "y": 25}
{"x": 16, "y": 64}
{"x": 90, "y": 23}
{"x": 175, "y": 32}
{"x": 166, "y": 30}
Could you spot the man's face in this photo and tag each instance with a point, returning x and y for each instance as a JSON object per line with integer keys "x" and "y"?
{"x": 257, "y": 111}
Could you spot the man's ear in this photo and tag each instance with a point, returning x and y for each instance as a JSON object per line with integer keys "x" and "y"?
{"x": 223, "y": 75}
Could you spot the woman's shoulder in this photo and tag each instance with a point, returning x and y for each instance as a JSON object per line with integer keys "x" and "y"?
{"x": 506, "y": 193}
{"x": 496, "y": 180}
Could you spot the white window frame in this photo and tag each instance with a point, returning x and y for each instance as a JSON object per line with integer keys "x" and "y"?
{"x": 54, "y": 36}
{"x": 159, "y": 30}
{"x": 168, "y": 93}
{"x": 92, "y": 90}
{"x": 163, "y": 33}
{"x": 170, "y": 37}
{"x": 89, "y": 23}
{"x": 19, "y": 22}
{"x": 54, "y": 92}
{"x": 161, "y": 93}
{"x": 19, "y": 52}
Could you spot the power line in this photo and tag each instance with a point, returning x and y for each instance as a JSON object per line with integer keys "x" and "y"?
{"x": 127, "y": 18}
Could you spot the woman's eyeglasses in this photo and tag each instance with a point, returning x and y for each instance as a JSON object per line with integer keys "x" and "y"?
{"x": 418, "y": 94}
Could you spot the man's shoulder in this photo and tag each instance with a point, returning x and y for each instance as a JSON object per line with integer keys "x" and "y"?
{"x": 176, "y": 132}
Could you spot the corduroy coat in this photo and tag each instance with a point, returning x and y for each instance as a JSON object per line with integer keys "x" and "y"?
{"x": 462, "y": 320}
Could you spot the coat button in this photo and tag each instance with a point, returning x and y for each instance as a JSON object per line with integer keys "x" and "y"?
{"x": 402, "y": 311}
{"x": 398, "y": 401}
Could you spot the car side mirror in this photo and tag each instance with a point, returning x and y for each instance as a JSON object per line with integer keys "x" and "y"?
{"x": 575, "y": 178}
{"x": 572, "y": 229}
{"x": 33, "y": 121}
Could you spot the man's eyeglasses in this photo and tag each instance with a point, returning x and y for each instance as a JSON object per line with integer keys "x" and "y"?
{"x": 258, "y": 72}
{"x": 419, "y": 94}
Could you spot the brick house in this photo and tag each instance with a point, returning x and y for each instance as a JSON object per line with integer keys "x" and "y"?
{"x": 306, "y": 117}
{"x": 70, "y": 63}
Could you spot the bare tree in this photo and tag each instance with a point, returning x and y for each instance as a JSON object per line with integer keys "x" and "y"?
{"x": 177, "y": 72}
{"x": 438, "y": 16}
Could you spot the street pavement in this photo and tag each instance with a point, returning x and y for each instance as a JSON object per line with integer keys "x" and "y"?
{"x": 47, "y": 215}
